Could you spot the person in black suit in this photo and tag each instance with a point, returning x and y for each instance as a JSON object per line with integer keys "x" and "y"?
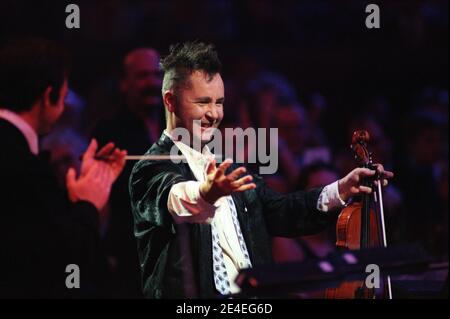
{"x": 196, "y": 224}
{"x": 44, "y": 229}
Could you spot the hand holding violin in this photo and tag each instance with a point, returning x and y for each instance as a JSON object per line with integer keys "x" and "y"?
{"x": 351, "y": 184}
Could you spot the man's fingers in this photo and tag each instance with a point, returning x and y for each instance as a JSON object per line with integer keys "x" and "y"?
{"x": 364, "y": 172}
{"x": 114, "y": 156}
{"x": 223, "y": 167}
{"x": 242, "y": 181}
{"x": 236, "y": 173}
{"x": 385, "y": 182}
{"x": 381, "y": 172}
{"x": 387, "y": 174}
{"x": 225, "y": 164}
{"x": 211, "y": 166}
{"x": 122, "y": 159}
{"x": 365, "y": 189}
{"x": 379, "y": 168}
{"x": 106, "y": 150}
{"x": 245, "y": 187}
{"x": 70, "y": 177}
{"x": 90, "y": 151}
{"x": 117, "y": 159}
{"x": 70, "y": 184}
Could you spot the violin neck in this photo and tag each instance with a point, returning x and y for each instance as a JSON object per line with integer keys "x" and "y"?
{"x": 365, "y": 219}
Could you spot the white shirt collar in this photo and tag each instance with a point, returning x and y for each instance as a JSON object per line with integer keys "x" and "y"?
{"x": 23, "y": 127}
{"x": 197, "y": 161}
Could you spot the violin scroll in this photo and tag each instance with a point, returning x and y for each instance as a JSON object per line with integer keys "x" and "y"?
{"x": 359, "y": 146}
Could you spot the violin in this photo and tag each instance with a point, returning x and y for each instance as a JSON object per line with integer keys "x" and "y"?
{"x": 361, "y": 225}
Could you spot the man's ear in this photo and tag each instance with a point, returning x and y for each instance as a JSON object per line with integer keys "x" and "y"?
{"x": 45, "y": 98}
{"x": 169, "y": 100}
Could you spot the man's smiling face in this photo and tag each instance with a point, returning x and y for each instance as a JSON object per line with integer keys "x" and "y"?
{"x": 199, "y": 106}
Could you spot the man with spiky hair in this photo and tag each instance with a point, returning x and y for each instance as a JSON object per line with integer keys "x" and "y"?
{"x": 198, "y": 225}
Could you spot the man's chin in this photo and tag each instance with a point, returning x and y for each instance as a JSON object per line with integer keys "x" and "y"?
{"x": 204, "y": 135}
{"x": 208, "y": 135}
{"x": 203, "y": 139}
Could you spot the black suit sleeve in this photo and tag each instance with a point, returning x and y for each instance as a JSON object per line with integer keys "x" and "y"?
{"x": 294, "y": 214}
{"x": 150, "y": 184}
{"x": 155, "y": 231}
{"x": 42, "y": 232}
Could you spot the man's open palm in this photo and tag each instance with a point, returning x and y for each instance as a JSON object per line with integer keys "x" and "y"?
{"x": 219, "y": 184}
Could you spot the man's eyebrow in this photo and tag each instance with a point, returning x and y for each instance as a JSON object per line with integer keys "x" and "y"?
{"x": 203, "y": 99}
{"x": 207, "y": 99}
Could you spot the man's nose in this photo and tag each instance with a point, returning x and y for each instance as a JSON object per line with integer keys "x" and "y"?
{"x": 212, "y": 114}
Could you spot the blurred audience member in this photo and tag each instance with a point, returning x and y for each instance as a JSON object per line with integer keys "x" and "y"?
{"x": 419, "y": 174}
{"x": 300, "y": 143}
{"x": 271, "y": 102}
{"x": 74, "y": 115}
{"x": 134, "y": 127}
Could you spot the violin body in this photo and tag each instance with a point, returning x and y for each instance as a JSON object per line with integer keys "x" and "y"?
{"x": 348, "y": 228}
{"x": 348, "y": 236}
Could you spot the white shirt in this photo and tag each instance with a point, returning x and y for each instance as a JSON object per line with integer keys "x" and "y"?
{"x": 186, "y": 205}
{"x": 22, "y": 126}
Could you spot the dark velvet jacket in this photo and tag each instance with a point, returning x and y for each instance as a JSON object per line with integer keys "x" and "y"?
{"x": 176, "y": 259}
{"x": 41, "y": 232}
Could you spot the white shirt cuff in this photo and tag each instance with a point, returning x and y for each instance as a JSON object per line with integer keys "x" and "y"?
{"x": 329, "y": 198}
{"x": 186, "y": 205}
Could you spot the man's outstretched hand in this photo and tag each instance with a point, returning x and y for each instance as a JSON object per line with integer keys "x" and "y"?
{"x": 217, "y": 184}
{"x": 350, "y": 185}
